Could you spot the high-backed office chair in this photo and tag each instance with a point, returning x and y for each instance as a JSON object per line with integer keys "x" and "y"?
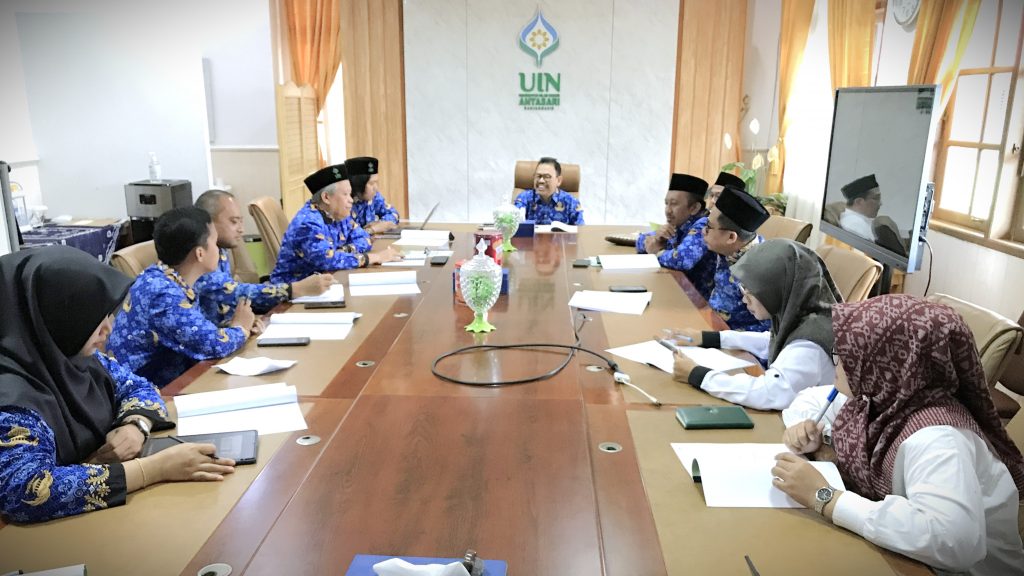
{"x": 887, "y": 235}
{"x": 853, "y": 272}
{"x": 998, "y": 338}
{"x": 1013, "y": 379}
{"x": 524, "y": 177}
{"x": 242, "y": 266}
{"x": 132, "y": 260}
{"x": 833, "y": 211}
{"x": 782, "y": 227}
{"x": 271, "y": 222}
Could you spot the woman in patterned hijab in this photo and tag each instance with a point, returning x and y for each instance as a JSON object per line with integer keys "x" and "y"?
{"x": 930, "y": 470}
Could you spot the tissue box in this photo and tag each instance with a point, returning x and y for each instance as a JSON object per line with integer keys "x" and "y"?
{"x": 362, "y": 564}
{"x": 525, "y": 230}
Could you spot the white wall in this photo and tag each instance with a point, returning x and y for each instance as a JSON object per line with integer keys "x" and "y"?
{"x": 465, "y": 129}
{"x": 98, "y": 85}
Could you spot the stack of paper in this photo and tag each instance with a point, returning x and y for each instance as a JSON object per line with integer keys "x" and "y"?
{"x": 740, "y": 475}
{"x": 629, "y": 262}
{"x": 268, "y": 409}
{"x": 623, "y": 302}
{"x": 423, "y": 238}
{"x": 417, "y": 258}
{"x": 555, "y": 227}
{"x": 383, "y": 283}
{"x": 315, "y": 325}
{"x": 656, "y": 355}
{"x": 336, "y": 293}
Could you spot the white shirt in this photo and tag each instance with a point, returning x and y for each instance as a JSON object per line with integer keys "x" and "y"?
{"x": 857, "y": 223}
{"x": 801, "y": 364}
{"x": 954, "y": 504}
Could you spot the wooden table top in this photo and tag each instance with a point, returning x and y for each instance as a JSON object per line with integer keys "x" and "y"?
{"x": 412, "y": 465}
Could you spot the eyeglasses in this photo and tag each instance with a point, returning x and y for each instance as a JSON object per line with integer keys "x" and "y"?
{"x": 835, "y": 358}
{"x": 543, "y": 176}
{"x": 706, "y": 228}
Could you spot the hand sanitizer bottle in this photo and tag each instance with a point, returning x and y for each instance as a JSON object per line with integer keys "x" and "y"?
{"x": 154, "y": 167}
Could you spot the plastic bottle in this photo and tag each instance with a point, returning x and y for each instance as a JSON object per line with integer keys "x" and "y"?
{"x": 154, "y": 167}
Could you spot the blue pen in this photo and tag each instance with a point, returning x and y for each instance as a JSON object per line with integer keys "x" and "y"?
{"x": 831, "y": 397}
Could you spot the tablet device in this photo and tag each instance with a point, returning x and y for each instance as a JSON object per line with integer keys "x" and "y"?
{"x": 712, "y": 417}
{"x": 324, "y": 304}
{"x": 621, "y": 288}
{"x": 240, "y": 446}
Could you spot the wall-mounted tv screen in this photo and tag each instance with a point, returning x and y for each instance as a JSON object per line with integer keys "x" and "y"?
{"x": 877, "y": 192}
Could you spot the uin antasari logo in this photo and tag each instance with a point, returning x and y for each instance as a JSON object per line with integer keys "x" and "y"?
{"x": 539, "y": 90}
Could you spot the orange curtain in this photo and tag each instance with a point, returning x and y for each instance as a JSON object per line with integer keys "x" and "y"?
{"x": 851, "y": 40}
{"x": 314, "y": 41}
{"x": 935, "y": 23}
{"x": 796, "y": 23}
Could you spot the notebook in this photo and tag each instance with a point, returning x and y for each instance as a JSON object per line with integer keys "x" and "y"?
{"x": 712, "y": 417}
{"x": 240, "y": 446}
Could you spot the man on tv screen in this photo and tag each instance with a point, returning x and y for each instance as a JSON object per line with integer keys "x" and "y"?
{"x": 863, "y": 200}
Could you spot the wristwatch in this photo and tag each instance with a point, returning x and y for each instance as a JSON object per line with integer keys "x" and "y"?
{"x": 822, "y": 497}
{"x": 139, "y": 423}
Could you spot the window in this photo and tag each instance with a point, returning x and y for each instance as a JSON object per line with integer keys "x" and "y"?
{"x": 976, "y": 170}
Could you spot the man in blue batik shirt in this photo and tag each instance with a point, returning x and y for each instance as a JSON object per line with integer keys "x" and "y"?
{"x": 731, "y": 231}
{"x": 369, "y": 209}
{"x": 218, "y": 291}
{"x": 323, "y": 237}
{"x": 161, "y": 331}
{"x": 679, "y": 244}
{"x": 546, "y": 202}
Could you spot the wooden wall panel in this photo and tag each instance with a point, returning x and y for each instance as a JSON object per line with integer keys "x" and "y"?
{"x": 709, "y": 85}
{"x": 373, "y": 72}
{"x": 297, "y": 141}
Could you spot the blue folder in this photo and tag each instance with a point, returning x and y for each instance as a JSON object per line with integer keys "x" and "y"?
{"x": 362, "y": 564}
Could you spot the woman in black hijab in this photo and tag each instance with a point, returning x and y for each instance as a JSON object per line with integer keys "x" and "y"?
{"x": 72, "y": 420}
{"x": 787, "y": 283}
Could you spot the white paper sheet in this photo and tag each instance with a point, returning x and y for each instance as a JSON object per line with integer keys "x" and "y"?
{"x": 555, "y": 227}
{"x": 239, "y": 366}
{"x": 739, "y": 475}
{"x": 629, "y": 262}
{"x": 334, "y": 293}
{"x": 650, "y": 352}
{"x": 428, "y": 238}
{"x": 404, "y": 263}
{"x": 622, "y": 302}
{"x": 313, "y": 331}
{"x": 376, "y": 278}
{"x": 385, "y": 290}
{"x": 265, "y": 420}
{"x": 315, "y": 318}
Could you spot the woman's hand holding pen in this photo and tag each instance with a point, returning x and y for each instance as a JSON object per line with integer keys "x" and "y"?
{"x": 804, "y": 437}
{"x": 683, "y": 336}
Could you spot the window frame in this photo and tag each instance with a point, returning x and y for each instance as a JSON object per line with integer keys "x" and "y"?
{"x": 1003, "y": 227}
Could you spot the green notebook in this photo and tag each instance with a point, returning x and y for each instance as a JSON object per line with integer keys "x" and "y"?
{"x": 708, "y": 417}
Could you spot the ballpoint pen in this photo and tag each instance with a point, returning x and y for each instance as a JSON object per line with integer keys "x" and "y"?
{"x": 669, "y": 345}
{"x": 750, "y": 564}
{"x": 180, "y": 441}
{"x": 831, "y": 396}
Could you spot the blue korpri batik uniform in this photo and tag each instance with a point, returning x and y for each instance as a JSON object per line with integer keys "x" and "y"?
{"x": 314, "y": 243}
{"x": 34, "y": 487}
{"x": 160, "y": 331}
{"x": 563, "y": 207}
{"x": 364, "y": 212}
{"x": 727, "y": 299}
{"x": 688, "y": 252}
{"x": 218, "y": 293}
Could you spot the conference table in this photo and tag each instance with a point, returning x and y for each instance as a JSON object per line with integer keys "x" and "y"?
{"x": 570, "y": 475}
